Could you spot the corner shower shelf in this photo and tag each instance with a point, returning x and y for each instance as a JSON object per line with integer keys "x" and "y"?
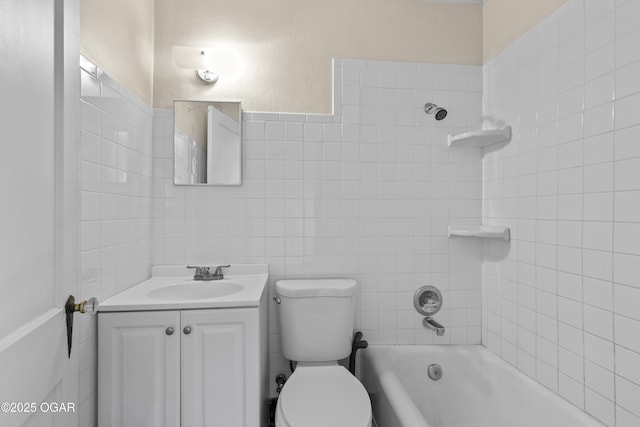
{"x": 480, "y": 138}
{"x": 486, "y": 231}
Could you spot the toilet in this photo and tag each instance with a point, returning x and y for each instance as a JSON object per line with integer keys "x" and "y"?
{"x": 316, "y": 328}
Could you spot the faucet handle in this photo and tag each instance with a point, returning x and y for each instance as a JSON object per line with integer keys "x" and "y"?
{"x": 201, "y": 270}
{"x": 219, "y": 268}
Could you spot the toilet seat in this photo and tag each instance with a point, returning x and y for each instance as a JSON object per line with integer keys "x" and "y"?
{"x": 322, "y": 396}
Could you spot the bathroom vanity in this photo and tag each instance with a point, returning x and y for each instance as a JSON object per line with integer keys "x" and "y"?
{"x": 177, "y": 352}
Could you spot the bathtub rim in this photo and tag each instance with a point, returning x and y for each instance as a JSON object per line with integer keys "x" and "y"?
{"x": 383, "y": 365}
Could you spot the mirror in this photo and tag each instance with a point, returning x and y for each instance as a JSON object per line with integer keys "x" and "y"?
{"x": 207, "y": 143}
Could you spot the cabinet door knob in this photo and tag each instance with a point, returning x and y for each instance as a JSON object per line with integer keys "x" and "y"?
{"x": 187, "y": 330}
{"x": 169, "y": 331}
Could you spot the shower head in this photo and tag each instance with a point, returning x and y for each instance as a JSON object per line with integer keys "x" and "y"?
{"x": 440, "y": 112}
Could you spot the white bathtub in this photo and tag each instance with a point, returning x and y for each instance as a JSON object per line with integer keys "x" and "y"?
{"x": 477, "y": 389}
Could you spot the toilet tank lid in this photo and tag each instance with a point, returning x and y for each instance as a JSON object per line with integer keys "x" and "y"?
{"x": 306, "y": 288}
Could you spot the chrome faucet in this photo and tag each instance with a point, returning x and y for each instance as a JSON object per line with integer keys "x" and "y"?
{"x": 204, "y": 272}
{"x": 431, "y": 324}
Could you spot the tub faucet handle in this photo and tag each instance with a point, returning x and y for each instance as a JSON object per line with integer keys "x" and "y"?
{"x": 427, "y": 300}
{"x": 430, "y": 304}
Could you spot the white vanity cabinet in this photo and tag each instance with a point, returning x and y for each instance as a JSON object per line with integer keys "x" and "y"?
{"x": 189, "y": 368}
{"x": 139, "y": 368}
{"x": 220, "y": 368}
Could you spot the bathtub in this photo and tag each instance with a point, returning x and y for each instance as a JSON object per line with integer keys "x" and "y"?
{"x": 477, "y": 389}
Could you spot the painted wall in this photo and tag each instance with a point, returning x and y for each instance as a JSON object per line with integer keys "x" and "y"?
{"x": 286, "y": 46}
{"x": 117, "y": 36}
{"x": 561, "y": 300}
{"x": 506, "y": 20}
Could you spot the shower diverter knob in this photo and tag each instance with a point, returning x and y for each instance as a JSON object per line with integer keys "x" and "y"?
{"x": 427, "y": 300}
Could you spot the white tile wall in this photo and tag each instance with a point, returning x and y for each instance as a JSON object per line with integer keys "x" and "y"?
{"x": 560, "y": 301}
{"x": 115, "y": 191}
{"x": 365, "y": 193}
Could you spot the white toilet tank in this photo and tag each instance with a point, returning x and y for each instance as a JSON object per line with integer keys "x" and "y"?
{"x": 316, "y": 318}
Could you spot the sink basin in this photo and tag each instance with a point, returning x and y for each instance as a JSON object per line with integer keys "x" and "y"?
{"x": 171, "y": 287}
{"x": 196, "y": 290}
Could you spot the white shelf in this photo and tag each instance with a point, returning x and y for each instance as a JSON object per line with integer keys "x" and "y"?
{"x": 485, "y": 231}
{"x": 480, "y": 138}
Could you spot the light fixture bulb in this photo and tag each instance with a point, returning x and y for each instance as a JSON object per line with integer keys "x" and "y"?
{"x": 207, "y": 76}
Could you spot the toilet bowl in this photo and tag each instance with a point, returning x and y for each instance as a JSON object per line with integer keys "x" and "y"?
{"x": 316, "y": 327}
{"x": 323, "y": 396}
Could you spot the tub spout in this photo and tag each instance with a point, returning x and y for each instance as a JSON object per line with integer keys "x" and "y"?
{"x": 431, "y": 324}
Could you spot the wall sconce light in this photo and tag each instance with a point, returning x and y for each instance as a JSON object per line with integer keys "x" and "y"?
{"x": 199, "y": 59}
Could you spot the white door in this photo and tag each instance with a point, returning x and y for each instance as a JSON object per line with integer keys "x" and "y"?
{"x": 224, "y": 148}
{"x": 139, "y": 369}
{"x": 221, "y": 382}
{"x": 39, "y": 104}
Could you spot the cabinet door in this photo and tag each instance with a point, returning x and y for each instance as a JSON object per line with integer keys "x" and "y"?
{"x": 139, "y": 369}
{"x": 220, "y": 368}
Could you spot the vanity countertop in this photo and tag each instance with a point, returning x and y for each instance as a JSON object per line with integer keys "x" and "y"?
{"x": 173, "y": 288}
